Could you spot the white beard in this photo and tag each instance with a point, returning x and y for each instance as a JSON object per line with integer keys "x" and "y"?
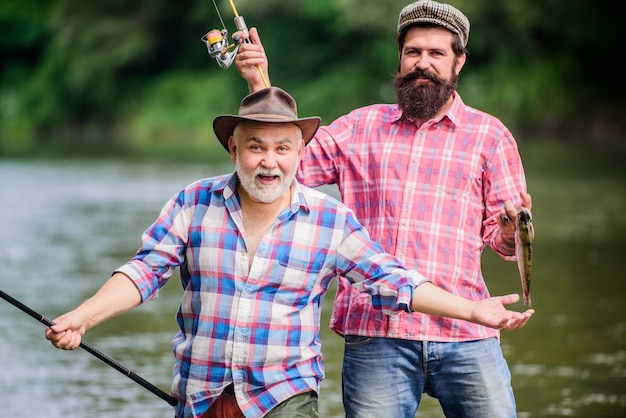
{"x": 260, "y": 192}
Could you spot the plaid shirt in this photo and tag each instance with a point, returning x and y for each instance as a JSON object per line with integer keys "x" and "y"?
{"x": 428, "y": 194}
{"x": 257, "y": 327}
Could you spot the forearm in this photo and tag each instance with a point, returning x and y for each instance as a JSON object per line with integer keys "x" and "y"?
{"x": 118, "y": 295}
{"x": 490, "y": 312}
{"x": 431, "y": 299}
{"x": 257, "y": 85}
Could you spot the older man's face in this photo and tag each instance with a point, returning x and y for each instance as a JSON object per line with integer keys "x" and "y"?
{"x": 266, "y": 157}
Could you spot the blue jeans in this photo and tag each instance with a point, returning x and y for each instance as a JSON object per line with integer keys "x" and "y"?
{"x": 385, "y": 378}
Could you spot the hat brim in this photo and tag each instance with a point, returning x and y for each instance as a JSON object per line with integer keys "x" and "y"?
{"x": 224, "y": 125}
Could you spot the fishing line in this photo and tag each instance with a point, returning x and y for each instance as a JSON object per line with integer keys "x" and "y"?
{"x": 95, "y": 352}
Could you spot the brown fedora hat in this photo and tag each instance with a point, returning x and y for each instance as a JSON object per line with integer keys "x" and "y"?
{"x": 270, "y": 105}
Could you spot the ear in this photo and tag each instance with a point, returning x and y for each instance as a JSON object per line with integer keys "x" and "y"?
{"x": 460, "y": 62}
{"x": 232, "y": 148}
{"x": 301, "y": 149}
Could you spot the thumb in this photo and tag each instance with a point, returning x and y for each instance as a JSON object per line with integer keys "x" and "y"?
{"x": 527, "y": 201}
{"x": 60, "y": 325}
{"x": 68, "y": 321}
{"x": 509, "y": 299}
{"x": 254, "y": 36}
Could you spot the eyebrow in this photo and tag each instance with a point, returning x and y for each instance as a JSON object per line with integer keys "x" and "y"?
{"x": 258, "y": 140}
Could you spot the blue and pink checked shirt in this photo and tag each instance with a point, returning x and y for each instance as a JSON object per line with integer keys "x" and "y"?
{"x": 428, "y": 194}
{"x": 257, "y": 327}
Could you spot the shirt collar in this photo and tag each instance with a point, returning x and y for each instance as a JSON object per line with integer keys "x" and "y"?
{"x": 298, "y": 199}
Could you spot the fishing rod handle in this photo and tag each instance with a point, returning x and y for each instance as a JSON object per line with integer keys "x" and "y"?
{"x": 241, "y": 25}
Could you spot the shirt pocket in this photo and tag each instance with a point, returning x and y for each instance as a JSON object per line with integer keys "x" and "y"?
{"x": 300, "y": 277}
{"x": 448, "y": 171}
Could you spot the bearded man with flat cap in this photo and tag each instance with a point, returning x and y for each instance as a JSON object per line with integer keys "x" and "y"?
{"x": 256, "y": 252}
{"x": 434, "y": 181}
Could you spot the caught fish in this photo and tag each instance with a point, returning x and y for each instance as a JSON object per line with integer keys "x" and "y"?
{"x": 524, "y": 236}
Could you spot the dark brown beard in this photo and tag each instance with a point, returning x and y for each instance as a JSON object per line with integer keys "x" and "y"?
{"x": 423, "y": 101}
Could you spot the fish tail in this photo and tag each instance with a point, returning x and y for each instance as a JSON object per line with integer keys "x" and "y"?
{"x": 527, "y": 301}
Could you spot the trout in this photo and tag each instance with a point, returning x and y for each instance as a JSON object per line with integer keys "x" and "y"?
{"x": 524, "y": 235}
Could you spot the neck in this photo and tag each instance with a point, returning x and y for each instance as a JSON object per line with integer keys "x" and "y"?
{"x": 258, "y": 217}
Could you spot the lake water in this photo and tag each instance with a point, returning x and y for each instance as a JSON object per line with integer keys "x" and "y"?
{"x": 66, "y": 225}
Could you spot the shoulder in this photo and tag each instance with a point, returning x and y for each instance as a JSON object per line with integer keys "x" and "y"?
{"x": 361, "y": 120}
{"x": 485, "y": 129}
{"x": 321, "y": 202}
{"x": 204, "y": 188}
{"x": 371, "y": 112}
{"x": 376, "y": 112}
{"x": 471, "y": 116}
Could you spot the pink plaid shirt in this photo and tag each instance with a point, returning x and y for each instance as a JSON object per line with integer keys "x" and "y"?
{"x": 428, "y": 194}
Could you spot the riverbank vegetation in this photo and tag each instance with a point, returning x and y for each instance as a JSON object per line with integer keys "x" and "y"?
{"x": 134, "y": 78}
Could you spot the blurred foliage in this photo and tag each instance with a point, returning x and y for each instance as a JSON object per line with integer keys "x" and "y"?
{"x": 134, "y": 78}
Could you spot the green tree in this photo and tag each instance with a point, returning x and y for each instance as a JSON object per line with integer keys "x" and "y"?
{"x": 90, "y": 74}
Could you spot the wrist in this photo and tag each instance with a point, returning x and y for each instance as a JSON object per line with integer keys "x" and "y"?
{"x": 506, "y": 242}
{"x": 256, "y": 86}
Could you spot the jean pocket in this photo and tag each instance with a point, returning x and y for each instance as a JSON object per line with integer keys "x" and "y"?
{"x": 356, "y": 340}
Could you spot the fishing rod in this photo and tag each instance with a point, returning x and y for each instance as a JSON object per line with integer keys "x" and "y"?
{"x": 94, "y": 351}
{"x": 217, "y": 43}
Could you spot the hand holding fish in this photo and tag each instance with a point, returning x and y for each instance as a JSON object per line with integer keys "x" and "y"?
{"x": 524, "y": 237}
{"x": 509, "y": 212}
{"x": 491, "y": 312}
{"x": 516, "y": 226}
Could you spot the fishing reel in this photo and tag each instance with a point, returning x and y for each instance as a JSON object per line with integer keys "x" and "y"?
{"x": 219, "y": 48}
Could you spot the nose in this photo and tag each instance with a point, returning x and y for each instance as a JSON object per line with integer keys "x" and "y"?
{"x": 269, "y": 161}
{"x": 422, "y": 62}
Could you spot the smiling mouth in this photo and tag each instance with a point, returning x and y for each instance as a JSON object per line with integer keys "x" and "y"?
{"x": 267, "y": 179}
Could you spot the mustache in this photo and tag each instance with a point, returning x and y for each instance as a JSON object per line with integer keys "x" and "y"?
{"x": 417, "y": 73}
{"x": 268, "y": 173}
